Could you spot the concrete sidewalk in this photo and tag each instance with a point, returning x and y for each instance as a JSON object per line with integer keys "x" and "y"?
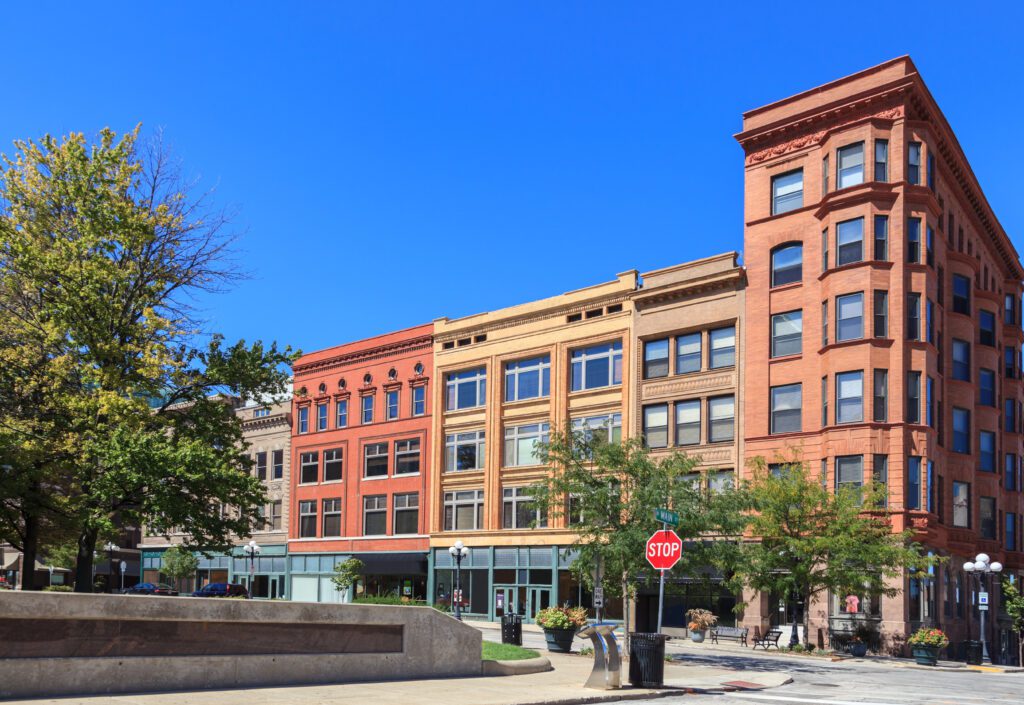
{"x": 563, "y": 685}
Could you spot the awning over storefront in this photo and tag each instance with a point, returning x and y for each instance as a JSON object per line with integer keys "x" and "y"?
{"x": 393, "y": 563}
{"x": 11, "y": 561}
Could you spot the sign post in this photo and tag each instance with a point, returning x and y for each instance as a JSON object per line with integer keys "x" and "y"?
{"x": 124, "y": 567}
{"x": 664, "y": 550}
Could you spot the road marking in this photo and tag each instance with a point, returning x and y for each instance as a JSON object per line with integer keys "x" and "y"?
{"x": 790, "y": 699}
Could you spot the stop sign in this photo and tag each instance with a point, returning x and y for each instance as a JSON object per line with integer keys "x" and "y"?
{"x": 664, "y": 549}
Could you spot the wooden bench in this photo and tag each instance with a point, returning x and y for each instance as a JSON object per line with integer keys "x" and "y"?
{"x": 738, "y": 634}
{"x": 771, "y": 638}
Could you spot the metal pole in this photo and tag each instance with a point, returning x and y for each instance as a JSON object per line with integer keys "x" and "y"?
{"x": 984, "y": 642}
{"x": 661, "y": 590}
{"x": 458, "y": 586}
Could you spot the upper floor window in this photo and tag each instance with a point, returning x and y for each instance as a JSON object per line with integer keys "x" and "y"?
{"x": 849, "y": 317}
{"x": 961, "y": 294}
{"x": 850, "y": 165}
{"x": 375, "y": 515}
{"x": 656, "y": 425}
{"x": 341, "y": 413}
{"x": 961, "y": 360}
{"x": 375, "y": 460}
{"x": 303, "y": 420}
{"x": 881, "y": 313}
{"x": 881, "y": 238}
{"x": 787, "y": 264}
{"x": 723, "y": 347}
{"x": 332, "y": 517}
{"x": 688, "y": 353}
{"x": 656, "y": 358}
{"x": 368, "y": 409}
{"x": 987, "y": 451}
{"x": 321, "y": 417}
{"x": 961, "y": 430}
{"x": 913, "y": 240}
{"x": 721, "y": 418}
{"x": 464, "y": 510}
{"x": 277, "y": 460}
{"x": 987, "y": 387}
{"x": 528, "y": 379}
{"x": 607, "y": 428}
{"x": 407, "y": 456}
{"x": 849, "y": 472}
{"x": 260, "y": 412}
{"x": 914, "y": 163}
{"x": 787, "y": 192}
{"x": 307, "y": 519}
{"x": 518, "y": 510}
{"x": 521, "y": 444}
{"x": 466, "y": 390}
{"x": 913, "y": 316}
{"x": 334, "y": 461}
{"x": 881, "y": 160}
{"x": 688, "y": 422}
{"x": 987, "y": 517}
{"x": 849, "y": 397}
{"x": 787, "y": 331}
{"x": 961, "y": 505}
{"x": 850, "y": 241}
{"x": 407, "y": 513}
{"x": 465, "y": 451}
{"x": 419, "y": 400}
{"x": 1010, "y": 310}
{"x": 931, "y": 170}
{"x": 987, "y": 323}
{"x": 391, "y": 404}
{"x": 786, "y": 405}
{"x": 309, "y": 467}
{"x": 597, "y": 366}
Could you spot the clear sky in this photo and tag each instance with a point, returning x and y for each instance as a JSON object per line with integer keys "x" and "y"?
{"x": 392, "y": 163}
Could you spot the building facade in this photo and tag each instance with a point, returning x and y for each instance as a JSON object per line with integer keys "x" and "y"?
{"x": 883, "y": 331}
{"x": 361, "y": 449}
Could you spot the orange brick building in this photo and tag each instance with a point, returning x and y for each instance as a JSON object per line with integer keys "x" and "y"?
{"x": 883, "y": 330}
{"x": 360, "y": 465}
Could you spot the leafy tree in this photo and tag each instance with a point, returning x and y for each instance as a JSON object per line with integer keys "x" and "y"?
{"x": 178, "y": 564}
{"x": 811, "y": 541}
{"x": 116, "y": 407}
{"x": 346, "y": 573}
{"x": 614, "y": 490}
{"x": 1013, "y": 604}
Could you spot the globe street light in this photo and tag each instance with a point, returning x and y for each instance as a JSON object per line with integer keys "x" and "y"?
{"x": 252, "y": 550}
{"x": 458, "y": 552}
{"x": 110, "y": 547}
{"x": 981, "y": 568}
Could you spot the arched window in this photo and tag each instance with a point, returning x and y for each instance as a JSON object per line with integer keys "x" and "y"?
{"x": 341, "y": 383}
{"x": 787, "y": 263}
{"x": 322, "y": 388}
{"x": 392, "y": 373}
{"x": 367, "y": 378}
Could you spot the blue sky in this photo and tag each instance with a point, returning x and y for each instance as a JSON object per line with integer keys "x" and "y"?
{"x": 391, "y": 163}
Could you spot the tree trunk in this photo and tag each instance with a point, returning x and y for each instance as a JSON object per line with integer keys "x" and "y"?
{"x": 807, "y": 621}
{"x": 30, "y": 549}
{"x": 83, "y": 566}
{"x": 625, "y": 615}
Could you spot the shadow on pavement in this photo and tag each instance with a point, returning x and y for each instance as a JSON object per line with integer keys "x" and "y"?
{"x": 753, "y": 663}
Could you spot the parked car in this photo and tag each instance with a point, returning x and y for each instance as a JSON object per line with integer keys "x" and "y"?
{"x": 150, "y": 589}
{"x": 221, "y": 590}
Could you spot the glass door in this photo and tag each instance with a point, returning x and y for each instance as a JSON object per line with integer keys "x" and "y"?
{"x": 504, "y": 601}
{"x": 539, "y": 598}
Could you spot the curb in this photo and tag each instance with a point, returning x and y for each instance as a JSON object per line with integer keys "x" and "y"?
{"x": 516, "y": 668}
{"x": 615, "y": 696}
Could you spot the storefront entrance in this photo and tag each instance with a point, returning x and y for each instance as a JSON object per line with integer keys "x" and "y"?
{"x": 524, "y": 600}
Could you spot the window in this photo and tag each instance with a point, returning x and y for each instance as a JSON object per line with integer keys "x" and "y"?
{"x": 785, "y": 412}
{"x": 464, "y": 451}
{"x": 723, "y": 347}
{"x": 849, "y": 473}
{"x": 367, "y": 409}
{"x": 391, "y": 403}
{"x": 1010, "y": 362}
{"x": 961, "y": 360}
{"x": 987, "y": 383}
{"x": 787, "y": 192}
{"x": 407, "y": 456}
{"x": 961, "y": 505}
{"x": 849, "y": 317}
{"x": 824, "y": 323}
{"x": 850, "y": 165}
{"x": 721, "y": 415}
{"x": 321, "y": 417}
{"x": 1009, "y": 416}
{"x": 931, "y": 170}
{"x": 261, "y": 465}
{"x": 528, "y": 379}
{"x": 275, "y": 515}
{"x": 464, "y": 511}
{"x": 987, "y": 451}
{"x": 597, "y": 366}
{"x": 881, "y": 238}
{"x": 607, "y": 428}
{"x": 518, "y": 510}
{"x": 987, "y": 517}
{"x": 309, "y": 468}
{"x": 721, "y": 480}
{"x": 914, "y": 163}
{"x": 307, "y": 519}
{"x": 419, "y": 400}
{"x": 407, "y": 513}
{"x": 929, "y": 401}
{"x": 880, "y": 476}
{"x": 334, "y": 461}
{"x": 375, "y": 515}
{"x": 849, "y": 397}
{"x": 277, "y": 460}
{"x": 332, "y": 517}
{"x": 824, "y": 400}
{"x": 688, "y": 422}
{"x": 913, "y": 482}
{"x": 913, "y": 397}
{"x": 913, "y": 240}
{"x": 303, "y": 421}
{"x": 787, "y": 264}
{"x": 688, "y": 353}
{"x": 341, "y": 413}
{"x": 929, "y": 321}
{"x": 850, "y": 241}
{"x": 260, "y": 413}
{"x": 824, "y": 176}
{"x": 656, "y": 426}
{"x": 881, "y": 160}
{"x": 881, "y": 313}
{"x": 961, "y": 295}
{"x": 824, "y": 250}
{"x": 521, "y": 444}
{"x": 987, "y": 322}
{"x": 961, "y": 430}
{"x": 1011, "y": 531}
{"x": 656, "y": 358}
{"x": 375, "y": 460}
{"x": 929, "y": 246}
{"x": 787, "y": 329}
{"x": 881, "y": 396}
{"x": 1010, "y": 310}
{"x": 913, "y": 316}
{"x": 1010, "y": 471}
{"x": 466, "y": 390}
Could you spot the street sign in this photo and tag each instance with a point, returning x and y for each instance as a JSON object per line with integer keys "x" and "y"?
{"x": 983, "y": 608}
{"x": 599, "y": 597}
{"x": 124, "y": 566}
{"x": 983, "y": 598}
{"x": 664, "y": 549}
{"x": 666, "y": 516}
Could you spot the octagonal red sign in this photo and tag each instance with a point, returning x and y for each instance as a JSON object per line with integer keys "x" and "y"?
{"x": 664, "y": 549}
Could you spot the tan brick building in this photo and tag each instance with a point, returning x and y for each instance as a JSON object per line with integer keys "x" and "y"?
{"x": 883, "y": 329}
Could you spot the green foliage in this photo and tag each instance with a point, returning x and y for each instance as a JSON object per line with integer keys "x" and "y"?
{"x": 492, "y": 651}
{"x": 390, "y": 599}
{"x": 1013, "y": 605}
{"x": 58, "y": 588}
{"x": 561, "y": 617}
{"x": 61, "y": 556}
{"x": 928, "y": 636}
{"x": 346, "y": 573}
{"x": 179, "y": 563}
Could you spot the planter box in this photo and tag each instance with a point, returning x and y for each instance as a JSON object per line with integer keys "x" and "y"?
{"x": 559, "y": 640}
{"x": 925, "y": 655}
{"x": 697, "y": 636}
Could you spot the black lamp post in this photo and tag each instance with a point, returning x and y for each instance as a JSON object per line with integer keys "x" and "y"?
{"x": 982, "y": 568}
{"x": 252, "y": 550}
{"x": 110, "y": 547}
{"x": 458, "y": 552}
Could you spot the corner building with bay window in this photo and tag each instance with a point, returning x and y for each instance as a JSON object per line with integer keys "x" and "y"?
{"x": 884, "y": 335}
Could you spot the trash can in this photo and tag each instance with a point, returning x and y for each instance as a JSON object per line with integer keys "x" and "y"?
{"x": 972, "y": 652}
{"x": 646, "y": 659}
{"x": 512, "y": 629}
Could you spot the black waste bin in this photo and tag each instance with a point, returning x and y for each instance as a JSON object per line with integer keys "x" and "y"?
{"x": 972, "y": 652}
{"x": 512, "y": 629}
{"x": 646, "y": 659}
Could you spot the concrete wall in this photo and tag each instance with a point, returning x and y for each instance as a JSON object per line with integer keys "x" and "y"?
{"x": 68, "y": 644}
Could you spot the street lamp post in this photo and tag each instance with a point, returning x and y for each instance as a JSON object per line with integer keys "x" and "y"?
{"x": 982, "y": 568}
{"x": 458, "y": 552}
{"x": 252, "y": 550}
{"x": 110, "y": 547}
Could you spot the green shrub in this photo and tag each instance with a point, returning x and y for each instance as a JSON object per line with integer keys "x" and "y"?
{"x": 561, "y": 617}
{"x": 391, "y": 599}
{"x": 58, "y": 588}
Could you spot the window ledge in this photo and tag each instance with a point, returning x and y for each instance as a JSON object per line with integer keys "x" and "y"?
{"x": 405, "y": 474}
{"x": 594, "y": 390}
{"x": 881, "y": 342}
{"x": 786, "y": 287}
{"x": 332, "y": 482}
{"x": 880, "y": 264}
{"x": 375, "y": 477}
{"x": 785, "y": 358}
{"x": 525, "y": 402}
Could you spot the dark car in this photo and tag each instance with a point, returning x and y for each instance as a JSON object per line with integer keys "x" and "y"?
{"x": 221, "y": 590}
{"x": 150, "y": 589}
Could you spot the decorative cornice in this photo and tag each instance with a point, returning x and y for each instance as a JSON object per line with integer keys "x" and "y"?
{"x": 702, "y": 383}
{"x": 424, "y": 342}
{"x": 681, "y": 290}
{"x": 262, "y": 422}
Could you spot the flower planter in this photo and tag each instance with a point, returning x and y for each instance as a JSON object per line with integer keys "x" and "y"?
{"x": 559, "y": 640}
{"x": 925, "y": 655}
{"x": 697, "y": 636}
{"x": 858, "y": 649}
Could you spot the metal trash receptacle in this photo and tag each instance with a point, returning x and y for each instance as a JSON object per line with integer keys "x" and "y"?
{"x": 972, "y": 652}
{"x": 512, "y": 629}
{"x": 647, "y": 659}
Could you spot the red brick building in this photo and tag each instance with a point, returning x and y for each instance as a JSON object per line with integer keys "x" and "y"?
{"x": 360, "y": 459}
{"x": 883, "y": 324}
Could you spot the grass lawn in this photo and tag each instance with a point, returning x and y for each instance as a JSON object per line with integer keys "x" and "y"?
{"x": 506, "y": 652}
